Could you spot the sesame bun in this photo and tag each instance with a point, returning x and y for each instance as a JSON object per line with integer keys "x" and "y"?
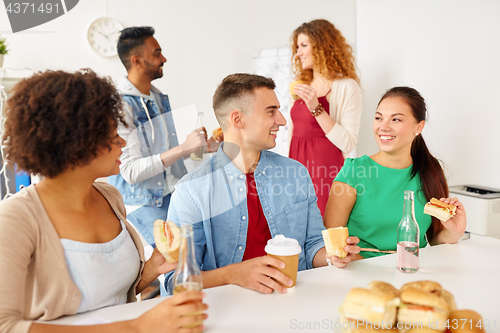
{"x": 429, "y": 286}
{"x": 383, "y": 287}
{"x": 448, "y": 298}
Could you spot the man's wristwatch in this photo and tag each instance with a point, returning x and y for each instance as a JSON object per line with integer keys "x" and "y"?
{"x": 319, "y": 110}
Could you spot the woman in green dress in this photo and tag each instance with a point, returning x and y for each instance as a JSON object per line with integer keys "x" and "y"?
{"x": 367, "y": 194}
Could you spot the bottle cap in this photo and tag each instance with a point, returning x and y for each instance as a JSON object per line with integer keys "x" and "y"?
{"x": 282, "y": 246}
{"x": 408, "y": 194}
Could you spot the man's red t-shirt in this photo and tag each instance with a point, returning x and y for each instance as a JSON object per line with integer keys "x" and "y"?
{"x": 258, "y": 231}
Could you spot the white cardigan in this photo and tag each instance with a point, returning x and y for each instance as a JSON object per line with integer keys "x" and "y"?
{"x": 346, "y": 103}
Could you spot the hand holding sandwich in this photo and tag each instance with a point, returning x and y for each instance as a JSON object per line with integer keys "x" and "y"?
{"x": 160, "y": 264}
{"x": 352, "y": 253}
{"x": 214, "y": 141}
{"x": 340, "y": 248}
{"x": 154, "y": 267}
{"x": 218, "y": 135}
{"x": 165, "y": 255}
{"x": 454, "y": 226}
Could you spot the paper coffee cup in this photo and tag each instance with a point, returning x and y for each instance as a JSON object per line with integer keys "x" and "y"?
{"x": 288, "y": 251}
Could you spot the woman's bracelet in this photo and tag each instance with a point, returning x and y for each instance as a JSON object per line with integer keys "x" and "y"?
{"x": 319, "y": 110}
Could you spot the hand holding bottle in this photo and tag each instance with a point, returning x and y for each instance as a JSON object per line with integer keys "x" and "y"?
{"x": 187, "y": 276}
{"x": 173, "y": 314}
{"x": 195, "y": 140}
{"x": 197, "y": 154}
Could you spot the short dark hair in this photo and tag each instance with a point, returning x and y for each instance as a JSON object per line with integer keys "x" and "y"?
{"x": 233, "y": 91}
{"x": 58, "y": 120}
{"x": 130, "y": 39}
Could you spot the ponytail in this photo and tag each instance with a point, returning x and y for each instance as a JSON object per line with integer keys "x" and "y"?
{"x": 432, "y": 178}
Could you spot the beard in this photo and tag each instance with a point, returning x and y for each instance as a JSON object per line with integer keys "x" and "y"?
{"x": 152, "y": 72}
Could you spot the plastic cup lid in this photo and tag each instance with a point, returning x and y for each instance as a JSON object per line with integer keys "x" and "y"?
{"x": 282, "y": 246}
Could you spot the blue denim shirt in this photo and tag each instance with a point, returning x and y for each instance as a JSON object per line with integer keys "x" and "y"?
{"x": 213, "y": 198}
{"x": 149, "y": 191}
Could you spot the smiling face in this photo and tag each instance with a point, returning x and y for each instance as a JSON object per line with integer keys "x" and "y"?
{"x": 304, "y": 51}
{"x": 108, "y": 162}
{"x": 395, "y": 127}
{"x": 261, "y": 124}
{"x": 153, "y": 58}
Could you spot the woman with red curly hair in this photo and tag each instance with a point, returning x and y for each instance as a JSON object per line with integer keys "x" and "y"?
{"x": 325, "y": 117}
{"x": 65, "y": 244}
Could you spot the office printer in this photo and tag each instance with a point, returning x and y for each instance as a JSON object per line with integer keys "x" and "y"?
{"x": 482, "y": 205}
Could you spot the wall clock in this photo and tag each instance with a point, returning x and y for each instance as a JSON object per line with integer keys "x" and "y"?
{"x": 103, "y": 34}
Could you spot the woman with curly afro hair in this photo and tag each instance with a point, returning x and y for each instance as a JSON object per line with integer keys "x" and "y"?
{"x": 65, "y": 244}
{"x": 325, "y": 117}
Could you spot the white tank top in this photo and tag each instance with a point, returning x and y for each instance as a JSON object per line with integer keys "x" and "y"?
{"x": 103, "y": 272}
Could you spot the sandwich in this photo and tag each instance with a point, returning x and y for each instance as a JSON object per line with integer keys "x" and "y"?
{"x": 167, "y": 238}
{"x": 465, "y": 321}
{"x": 440, "y": 210}
{"x": 422, "y": 309}
{"x": 363, "y": 307}
{"x": 335, "y": 240}
{"x": 425, "y": 285}
{"x": 448, "y": 298}
{"x": 216, "y": 134}
{"x": 292, "y": 88}
{"x": 436, "y": 289}
{"x": 384, "y": 287}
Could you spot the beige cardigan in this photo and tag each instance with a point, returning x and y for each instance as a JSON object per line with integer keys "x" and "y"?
{"x": 34, "y": 279}
{"x": 346, "y": 104}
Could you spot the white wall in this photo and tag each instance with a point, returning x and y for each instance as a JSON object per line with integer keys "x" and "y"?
{"x": 449, "y": 50}
{"x": 203, "y": 40}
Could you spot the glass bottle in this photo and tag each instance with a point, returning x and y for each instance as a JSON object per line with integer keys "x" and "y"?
{"x": 408, "y": 237}
{"x": 187, "y": 275}
{"x": 197, "y": 155}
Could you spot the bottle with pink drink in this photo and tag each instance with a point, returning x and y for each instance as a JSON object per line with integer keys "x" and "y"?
{"x": 408, "y": 237}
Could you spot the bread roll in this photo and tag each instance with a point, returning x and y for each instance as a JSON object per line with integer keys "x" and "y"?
{"x": 335, "y": 241}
